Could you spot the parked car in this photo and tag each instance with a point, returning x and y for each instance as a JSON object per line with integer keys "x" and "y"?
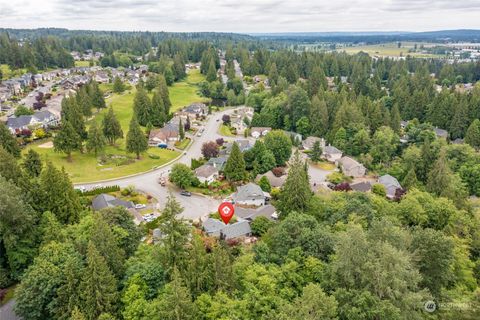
{"x": 185, "y": 193}
{"x": 140, "y": 206}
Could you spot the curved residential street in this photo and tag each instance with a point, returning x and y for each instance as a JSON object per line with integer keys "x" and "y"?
{"x": 195, "y": 206}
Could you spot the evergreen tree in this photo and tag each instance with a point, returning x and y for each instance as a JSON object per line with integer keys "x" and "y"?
{"x": 84, "y": 102}
{"x": 318, "y": 117}
{"x": 295, "y": 194}
{"x": 67, "y": 140}
{"x": 212, "y": 72}
{"x": 181, "y": 130}
{"x": 112, "y": 129}
{"x": 98, "y": 286}
{"x": 158, "y": 117}
{"x": 96, "y": 140}
{"x": 175, "y": 231}
{"x": 316, "y": 153}
{"x": 163, "y": 91}
{"x": 472, "y": 136}
{"x": 96, "y": 96}
{"x": 395, "y": 122}
{"x": 32, "y": 163}
{"x": 58, "y": 196}
{"x": 72, "y": 113}
{"x": 174, "y": 301}
{"x": 235, "y": 166}
{"x": 142, "y": 106}
{"x": 9, "y": 168}
{"x": 265, "y": 184}
{"x": 460, "y": 120}
{"x": 410, "y": 179}
{"x": 8, "y": 142}
{"x": 118, "y": 86}
{"x": 137, "y": 142}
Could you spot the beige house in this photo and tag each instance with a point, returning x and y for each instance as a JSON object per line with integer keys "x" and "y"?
{"x": 206, "y": 173}
{"x": 351, "y": 167}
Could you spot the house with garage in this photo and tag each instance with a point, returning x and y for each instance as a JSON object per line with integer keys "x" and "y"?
{"x": 104, "y": 200}
{"x": 309, "y": 142}
{"x": 216, "y": 228}
{"x": 250, "y": 195}
{"x": 331, "y": 154}
{"x": 206, "y": 173}
{"x": 44, "y": 119}
{"x": 162, "y": 137}
{"x": 352, "y": 168}
{"x": 218, "y": 162}
{"x": 258, "y": 132}
{"x": 391, "y": 185}
{"x": 195, "y": 110}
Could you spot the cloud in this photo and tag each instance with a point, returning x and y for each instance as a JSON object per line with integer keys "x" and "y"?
{"x": 242, "y": 16}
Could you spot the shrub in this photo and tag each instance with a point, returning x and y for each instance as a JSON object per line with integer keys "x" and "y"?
{"x": 278, "y": 171}
{"x": 153, "y": 156}
{"x": 336, "y": 177}
{"x": 344, "y": 186}
{"x": 101, "y": 190}
{"x": 260, "y": 225}
{"x": 379, "y": 189}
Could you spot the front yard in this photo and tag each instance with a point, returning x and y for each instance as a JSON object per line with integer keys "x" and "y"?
{"x": 225, "y": 131}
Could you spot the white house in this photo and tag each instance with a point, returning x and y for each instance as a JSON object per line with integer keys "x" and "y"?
{"x": 206, "y": 173}
{"x": 258, "y": 132}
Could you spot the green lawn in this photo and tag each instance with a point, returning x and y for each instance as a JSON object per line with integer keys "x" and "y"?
{"x": 8, "y": 73}
{"x": 85, "y": 167}
{"x": 388, "y": 49}
{"x": 79, "y": 63}
{"x": 182, "y": 144}
{"x": 225, "y": 131}
{"x": 185, "y": 92}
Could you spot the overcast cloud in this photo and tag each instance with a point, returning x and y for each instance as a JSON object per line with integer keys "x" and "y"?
{"x": 245, "y": 16}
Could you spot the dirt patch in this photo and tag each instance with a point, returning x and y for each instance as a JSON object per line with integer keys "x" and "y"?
{"x": 46, "y": 145}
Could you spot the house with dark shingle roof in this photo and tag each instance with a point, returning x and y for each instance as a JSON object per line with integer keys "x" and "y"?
{"x": 250, "y": 195}
{"x": 363, "y": 186}
{"x": 391, "y": 185}
{"x": 104, "y": 200}
{"x": 206, "y": 173}
{"x": 250, "y": 214}
{"x": 351, "y": 167}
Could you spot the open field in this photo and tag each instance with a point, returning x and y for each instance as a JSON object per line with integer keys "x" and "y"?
{"x": 389, "y": 49}
{"x": 185, "y": 92}
{"x": 79, "y": 63}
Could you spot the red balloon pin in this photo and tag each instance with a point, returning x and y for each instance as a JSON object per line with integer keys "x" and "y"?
{"x": 226, "y": 211}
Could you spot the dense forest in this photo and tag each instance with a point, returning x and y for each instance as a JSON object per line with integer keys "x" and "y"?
{"x": 335, "y": 255}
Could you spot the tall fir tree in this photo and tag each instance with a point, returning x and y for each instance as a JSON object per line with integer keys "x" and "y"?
{"x": 295, "y": 194}
{"x": 67, "y": 140}
{"x": 472, "y": 137}
{"x": 58, "y": 196}
{"x": 96, "y": 140}
{"x": 32, "y": 164}
{"x": 137, "y": 142}
{"x": 96, "y": 96}
{"x": 158, "y": 116}
{"x": 84, "y": 101}
{"x": 8, "y": 142}
{"x": 118, "y": 86}
{"x": 235, "y": 166}
{"x": 112, "y": 130}
{"x": 212, "y": 72}
{"x": 181, "y": 130}
{"x": 142, "y": 106}
{"x": 163, "y": 91}
{"x": 98, "y": 286}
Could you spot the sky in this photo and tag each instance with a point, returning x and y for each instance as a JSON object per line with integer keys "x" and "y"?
{"x": 242, "y": 16}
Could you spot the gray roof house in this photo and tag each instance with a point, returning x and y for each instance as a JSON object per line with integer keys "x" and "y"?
{"x": 104, "y": 200}
{"x": 218, "y": 162}
{"x": 351, "y": 167}
{"x": 274, "y": 180}
{"x": 217, "y": 228}
{"x": 310, "y": 141}
{"x": 250, "y": 195}
{"x": 391, "y": 185}
{"x": 243, "y": 145}
{"x": 196, "y": 109}
{"x": 440, "y": 133}
{"x": 363, "y": 186}
{"x": 43, "y": 119}
{"x": 331, "y": 153}
{"x": 206, "y": 173}
{"x": 250, "y": 214}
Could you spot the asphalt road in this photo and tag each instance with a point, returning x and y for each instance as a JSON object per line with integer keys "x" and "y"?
{"x": 7, "y": 313}
{"x": 195, "y": 206}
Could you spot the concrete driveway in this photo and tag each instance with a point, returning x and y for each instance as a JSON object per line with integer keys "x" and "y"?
{"x": 7, "y": 313}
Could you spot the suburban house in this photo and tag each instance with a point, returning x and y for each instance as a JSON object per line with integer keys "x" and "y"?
{"x": 44, "y": 119}
{"x": 258, "y": 132}
{"x": 391, "y": 185}
{"x": 217, "y": 228}
{"x": 206, "y": 173}
{"x": 274, "y": 181}
{"x": 195, "y": 110}
{"x": 218, "y": 162}
{"x": 332, "y": 154}
{"x": 440, "y": 133}
{"x": 309, "y": 142}
{"x": 102, "y": 77}
{"x": 237, "y": 119}
{"x": 163, "y": 136}
{"x": 363, "y": 186}
{"x": 250, "y": 214}
{"x": 243, "y": 145}
{"x": 250, "y": 195}
{"x": 297, "y": 137}
{"x": 103, "y": 201}
{"x": 351, "y": 167}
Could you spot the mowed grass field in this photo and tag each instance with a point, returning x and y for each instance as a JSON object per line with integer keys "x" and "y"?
{"x": 389, "y": 49}
{"x": 86, "y": 168}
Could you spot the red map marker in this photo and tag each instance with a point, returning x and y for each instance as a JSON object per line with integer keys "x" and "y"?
{"x": 226, "y": 211}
